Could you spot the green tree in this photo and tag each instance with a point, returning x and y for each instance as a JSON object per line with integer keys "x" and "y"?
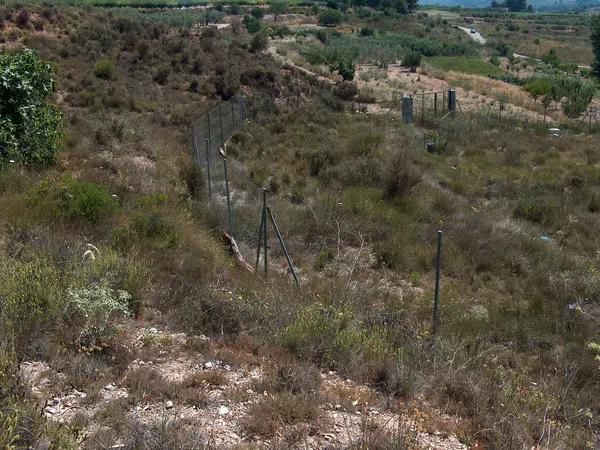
{"x": 595, "y": 37}
{"x": 30, "y": 127}
{"x": 345, "y": 67}
{"x": 412, "y": 60}
{"x": 330, "y": 17}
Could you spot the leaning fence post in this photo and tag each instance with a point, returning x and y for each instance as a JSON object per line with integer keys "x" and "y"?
{"x": 283, "y": 247}
{"x": 438, "y": 262}
{"x": 407, "y": 109}
{"x": 195, "y": 145}
{"x": 221, "y": 122}
{"x": 229, "y": 223}
{"x": 452, "y": 100}
{"x": 208, "y": 168}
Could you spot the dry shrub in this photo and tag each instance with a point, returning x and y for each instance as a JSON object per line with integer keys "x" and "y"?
{"x": 292, "y": 377}
{"x": 266, "y": 418}
{"x": 401, "y": 177}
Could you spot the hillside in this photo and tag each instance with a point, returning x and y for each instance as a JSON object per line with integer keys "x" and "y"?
{"x": 149, "y": 301}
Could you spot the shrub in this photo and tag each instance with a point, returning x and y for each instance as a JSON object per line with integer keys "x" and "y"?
{"x": 531, "y": 208}
{"x": 266, "y": 417}
{"x": 227, "y": 84}
{"x": 105, "y": 69}
{"x": 345, "y": 67}
{"x": 194, "y": 180}
{"x": 31, "y": 296}
{"x": 258, "y": 42}
{"x": 412, "y": 60}
{"x": 401, "y": 176}
{"x": 366, "y": 31}
{"x": 257, "y": 13}
{"x": 30, "y": 128}
{"x": 162, "y": 74}
{"x": 252, "y": 24}
{"x": 157, "y": 229}
{"x": 22, "y": 19}
{"x": 72, "y": 199}
{"x": 93, "y": 307}
{"x": 330, "y": 18}
{"x": 346, "y": 90}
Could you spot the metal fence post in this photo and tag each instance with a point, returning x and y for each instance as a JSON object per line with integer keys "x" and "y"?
{"x": 260, "y": 236}
{"x": 195, "y": 144}
{"x": 422, "y": 108}
{"x": 438, "y": 263}
{"x": 283, "y": 247}
{"x": 229, "y": 223}
{"x": 264, "y": 192}
{"x": 232, "y": 118}
{"x": 435, "y": 103}
{"x": 209, "y": 131}
{"x": 221, "y": 122}
{"x": 407, "y": 109}
{"x": 242, "y": 112}
{"x": 208, "y": 168}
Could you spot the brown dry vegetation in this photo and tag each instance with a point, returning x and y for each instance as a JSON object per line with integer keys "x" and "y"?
{"x": 359, "y": 201}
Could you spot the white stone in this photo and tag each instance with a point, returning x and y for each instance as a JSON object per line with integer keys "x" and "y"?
{"x": 223, "y": 410}
{"x": 169, "y": 404}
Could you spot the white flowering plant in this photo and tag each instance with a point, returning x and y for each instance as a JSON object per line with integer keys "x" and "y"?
{"x": 97, "y": 304}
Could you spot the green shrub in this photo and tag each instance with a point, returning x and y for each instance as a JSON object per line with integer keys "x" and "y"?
{"x": 252, "y": 24}
{"x": 30, "y": 128}
{"x": 412, "y": 60}
{"x": 157, "y": 229}
{"x": 258, "y": 42}
{"x": 534, "y": 209}
{"x": 162, "y": 74}
{"x": 333, "y": 335}
{"x": 401, "y": 176}
{"x": 105, "y": 69}
{"x": 345, "y": 67}
{"x": 330, "y": 18}
{"x": 31, "y": 296}
{"x": 72, "y": 199}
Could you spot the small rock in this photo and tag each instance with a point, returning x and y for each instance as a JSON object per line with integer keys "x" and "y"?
{"x": 223, "y": 410}
{"x": 152, "y": 330}
{"x": 208, "y": 365}
{"x": 109, "y": 387}
{"x": 169, "y": 404}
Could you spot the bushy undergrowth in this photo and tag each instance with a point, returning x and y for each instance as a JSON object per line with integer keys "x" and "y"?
{"x": 72, "y": 199}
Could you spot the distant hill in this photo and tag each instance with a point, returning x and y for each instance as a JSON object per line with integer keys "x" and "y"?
{"x": 539, "y": 5}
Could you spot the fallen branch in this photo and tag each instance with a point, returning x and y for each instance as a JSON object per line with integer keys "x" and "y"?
{"x": 235, "y": 251}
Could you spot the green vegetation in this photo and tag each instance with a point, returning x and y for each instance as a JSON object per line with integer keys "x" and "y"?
{"x": 118, "y": 237}
{"x": 595, "y": 37}
{"x": 30, "y": 127}
{"x": 464, "y": 64}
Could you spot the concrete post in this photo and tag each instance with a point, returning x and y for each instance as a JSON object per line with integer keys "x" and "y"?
{"x": 452, "y": 100}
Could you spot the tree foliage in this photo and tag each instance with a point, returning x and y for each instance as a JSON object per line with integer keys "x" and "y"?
{"x": 595, "y": 37}
{"x": 30, "y": 128}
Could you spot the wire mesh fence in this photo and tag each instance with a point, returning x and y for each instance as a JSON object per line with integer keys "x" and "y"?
{"x": 428, "y": 106}
{"x": 233, "y": 202}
